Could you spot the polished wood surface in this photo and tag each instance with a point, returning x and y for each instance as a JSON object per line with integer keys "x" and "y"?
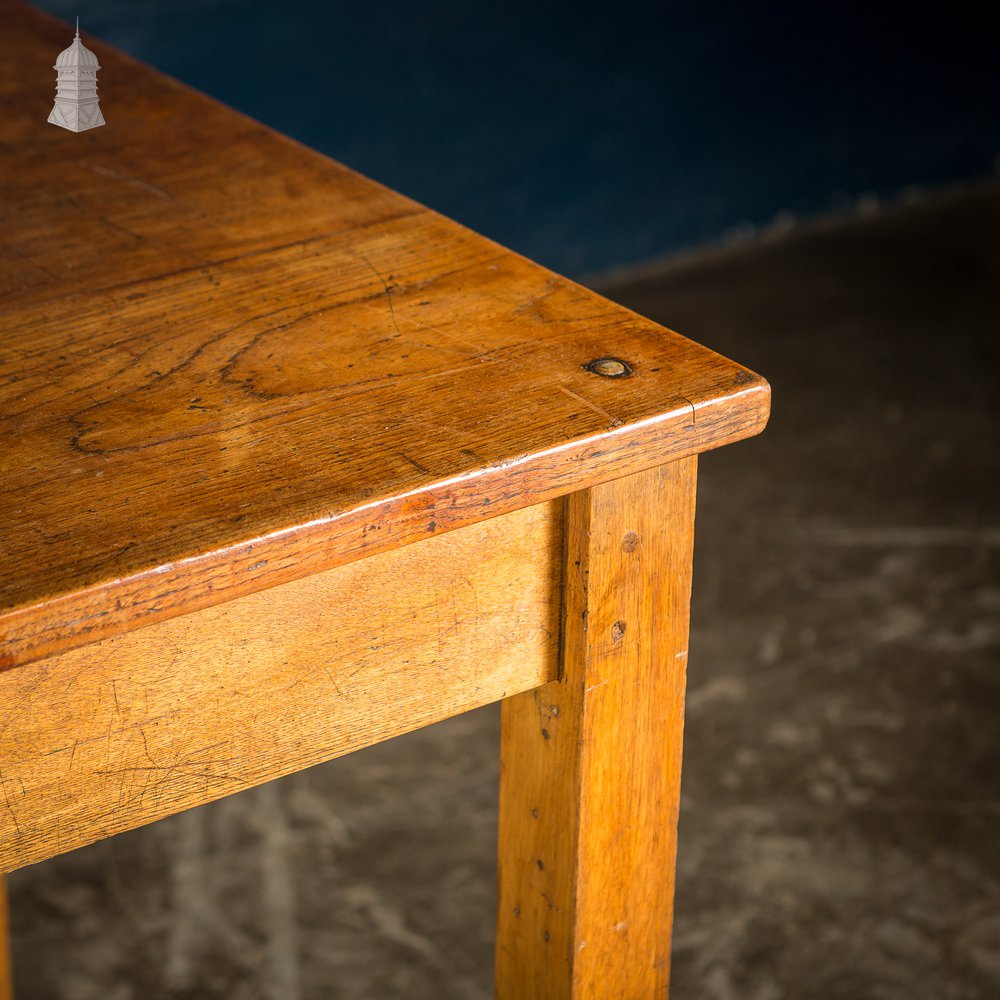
{"x": 125, "y": 731}
{"x": 590, "y": 763}
{"x": 228, "y": 362}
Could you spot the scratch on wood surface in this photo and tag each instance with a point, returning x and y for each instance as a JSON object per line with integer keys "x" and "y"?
{"x": 333, "y": 681}
{"x": 114, "y": 691}
{"x": 388, "y": 292}
{"x": 10, "y": 808}
{"x": 613, "y": 421}
{"x": 131, "y": 233}
{"x": 689, "y": 403}
{"x": 134, "y": 181}
{"x": 416, "y": 464}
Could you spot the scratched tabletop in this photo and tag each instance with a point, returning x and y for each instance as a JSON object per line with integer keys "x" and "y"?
{"x": 227, "y": 361}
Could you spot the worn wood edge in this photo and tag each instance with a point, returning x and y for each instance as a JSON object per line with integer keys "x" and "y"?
{"x": 119, "y": 605}
{"x": 106, "y": 738}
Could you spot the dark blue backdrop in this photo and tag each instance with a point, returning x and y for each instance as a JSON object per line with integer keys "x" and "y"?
{"x": 589, "y": 135}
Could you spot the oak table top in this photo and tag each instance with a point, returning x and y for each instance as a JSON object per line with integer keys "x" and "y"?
{"x": 227, "y": 362}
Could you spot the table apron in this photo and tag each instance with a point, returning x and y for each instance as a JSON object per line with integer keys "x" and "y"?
{"x": 128, "y": 730}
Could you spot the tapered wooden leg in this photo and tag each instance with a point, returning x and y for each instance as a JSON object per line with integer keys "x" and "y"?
{"x": 591, "y": 763}
{"x": 6, "y": 975}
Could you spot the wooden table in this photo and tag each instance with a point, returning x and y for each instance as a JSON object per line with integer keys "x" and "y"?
{"x": 290, "y": 465}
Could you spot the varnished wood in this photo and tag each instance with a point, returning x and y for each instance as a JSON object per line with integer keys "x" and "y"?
{"x": 6, "y": 971}
{"x": 227, "y": 362}
{"x": 103, "y": 739}
{"x": 242, "y": 391}
{"x": 590, "y": 763}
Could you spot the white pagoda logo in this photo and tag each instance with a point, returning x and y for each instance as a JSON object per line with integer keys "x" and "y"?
{"x": 76, "y": 106}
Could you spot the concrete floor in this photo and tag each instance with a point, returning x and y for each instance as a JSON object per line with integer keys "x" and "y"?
{"x": 840, "y": 828}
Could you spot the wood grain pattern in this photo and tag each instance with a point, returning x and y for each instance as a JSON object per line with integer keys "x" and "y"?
{"x": 227, "y": 362}
{"x": 590, "y": 764}
{"x": 103, "y": 739}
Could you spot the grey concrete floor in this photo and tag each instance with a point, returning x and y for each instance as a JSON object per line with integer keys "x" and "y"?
{"x": 840, "y": 824}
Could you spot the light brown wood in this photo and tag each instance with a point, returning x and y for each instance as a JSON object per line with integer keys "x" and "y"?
{"x": 227, "y": 362}
{"x": 242, "y": 391}
{"x": 6, "y": 968}
{"x": 590, "y": 763}
{"x": 103, "y": 739}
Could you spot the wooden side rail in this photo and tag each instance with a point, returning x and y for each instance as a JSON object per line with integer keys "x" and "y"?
{"x": 128, "y": 730}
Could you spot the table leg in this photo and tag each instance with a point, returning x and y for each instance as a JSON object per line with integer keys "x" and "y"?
{"x": 591, "y": 763}
{"x": 6, "y": 974}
